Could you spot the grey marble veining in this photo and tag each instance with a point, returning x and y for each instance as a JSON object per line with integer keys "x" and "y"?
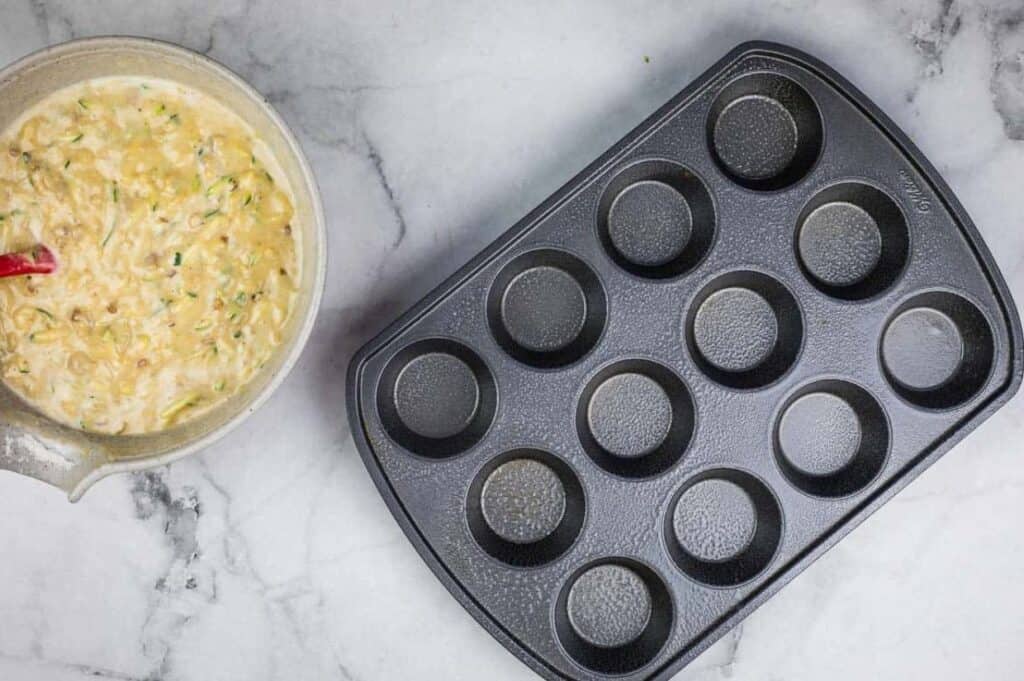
{"x": 432, "y": 127}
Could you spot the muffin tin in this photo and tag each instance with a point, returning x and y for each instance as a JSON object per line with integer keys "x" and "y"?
{"x": 688, "y": 373}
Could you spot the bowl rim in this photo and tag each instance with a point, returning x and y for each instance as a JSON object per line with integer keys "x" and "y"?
{"x": 318, "y": 230}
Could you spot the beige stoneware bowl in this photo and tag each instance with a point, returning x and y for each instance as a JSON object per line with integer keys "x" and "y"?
{"x": 34, "y": 445}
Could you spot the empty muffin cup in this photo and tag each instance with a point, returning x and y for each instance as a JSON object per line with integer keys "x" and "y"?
{"x": 764, "y": 131}
{"x": 525, "y": 507}
{"x": 937, "y": 350}
{"x": 436, "y": 398}
{"x": 656, "y": 219}
{"x": 723, "y": 527}
{"x": 613, "y": 616}
{"x": 635, "y": 418}
{"x": 546, "y": 308}
{"x": 852, "y": 241}
{"x": 831, "y": 438}
{"x": 744, "y": 329}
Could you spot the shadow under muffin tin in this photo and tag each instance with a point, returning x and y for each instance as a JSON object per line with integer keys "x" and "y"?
{"x": 689, "y": 372}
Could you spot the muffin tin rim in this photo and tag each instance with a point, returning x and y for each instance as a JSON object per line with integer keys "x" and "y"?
{"x": 708, "y": 147}
{"x": 377, "y": 387}
{"x": 613, "y": 173}
{"x": 584, "y": 384}
{"x": 667, "y": 509}
{"x": 583, "y": 564}
{"x": 688, "y": 308}
{"x": 891, "y": 314}
{"x": 520, "y": 250}
{"x": 472, "y": 479}
{"x": 789, "y": 397}
{"x": 895, "y": 197}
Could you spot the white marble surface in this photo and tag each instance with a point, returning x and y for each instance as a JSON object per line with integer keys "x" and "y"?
{"x": 433, "y": 126}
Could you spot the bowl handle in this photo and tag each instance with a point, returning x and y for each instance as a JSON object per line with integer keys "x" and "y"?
{"x": 40, "y": 449}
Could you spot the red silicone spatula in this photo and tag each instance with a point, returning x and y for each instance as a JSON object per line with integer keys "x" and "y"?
{"x": 36, "y": 260}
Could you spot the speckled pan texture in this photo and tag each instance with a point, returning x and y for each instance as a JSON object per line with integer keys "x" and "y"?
{"x": 688, "y": 373}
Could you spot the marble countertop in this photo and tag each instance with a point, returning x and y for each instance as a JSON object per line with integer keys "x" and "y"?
{"x": 433, "y": 127}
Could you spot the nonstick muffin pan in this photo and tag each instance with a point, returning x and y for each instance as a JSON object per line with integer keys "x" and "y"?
{"x": 688, "y": 373}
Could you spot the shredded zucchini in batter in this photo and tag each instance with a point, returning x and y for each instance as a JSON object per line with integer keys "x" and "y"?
{"x": 177, "y": 255}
